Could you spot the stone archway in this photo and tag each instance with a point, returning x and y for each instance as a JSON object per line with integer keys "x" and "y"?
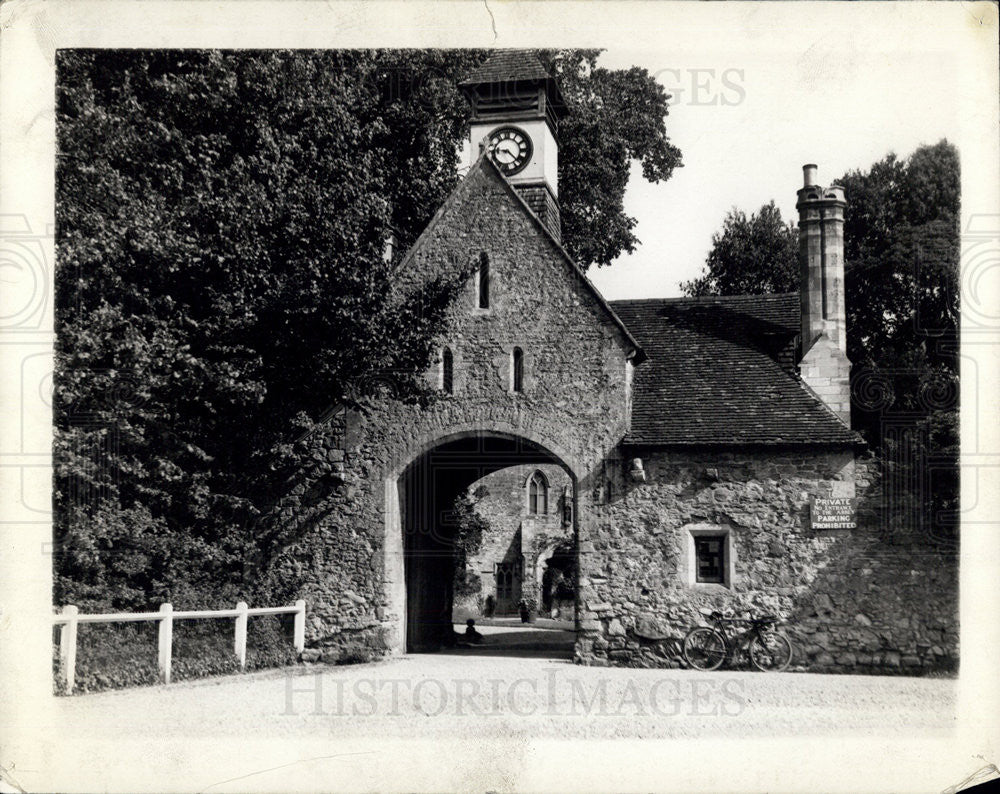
{"x": 420, "y": 541}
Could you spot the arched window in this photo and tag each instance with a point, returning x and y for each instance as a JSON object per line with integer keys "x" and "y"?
{"x": 517, "y": 369}
{"x": 484, "y": 281}
{"x": 447, "y": 371}
{"x": 538, "y": 494}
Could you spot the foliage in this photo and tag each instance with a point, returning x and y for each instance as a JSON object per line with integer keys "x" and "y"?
{"x": 615, "y": 117}
{"x": 112, "y": 656}
{"x": 750, "y": 256}
{"x": 470, "y": 527}
{"x": 901, "y": 246}
{"x": 560, "y": 575}
{"x": 116, "y": 655}
{"x": 221, "y": 222}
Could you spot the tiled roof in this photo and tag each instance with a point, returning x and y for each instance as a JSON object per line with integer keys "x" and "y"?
{"x": 712, "y": 374}
{"x": 508, "y": 65}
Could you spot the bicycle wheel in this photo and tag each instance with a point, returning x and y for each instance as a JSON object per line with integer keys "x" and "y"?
{"x": 770, "y": 651}
{"x": 704, "y": 649}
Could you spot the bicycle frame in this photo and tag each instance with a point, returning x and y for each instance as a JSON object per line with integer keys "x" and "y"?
{"x": 736, "y": 643}
{"x": 766, "y": 647}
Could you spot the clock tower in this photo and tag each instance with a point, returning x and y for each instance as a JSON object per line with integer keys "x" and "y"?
{"x": 516, "y": 107}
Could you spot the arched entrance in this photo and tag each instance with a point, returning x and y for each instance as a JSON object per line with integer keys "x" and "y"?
{"x": 432, "y": 533}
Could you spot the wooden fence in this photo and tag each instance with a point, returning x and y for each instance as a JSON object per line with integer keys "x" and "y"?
{"x": 70, "y": 618}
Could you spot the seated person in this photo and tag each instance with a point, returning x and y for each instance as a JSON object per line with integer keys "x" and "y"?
{"x": 471, "y": 635}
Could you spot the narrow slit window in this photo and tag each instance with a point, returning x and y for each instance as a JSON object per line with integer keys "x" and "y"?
{"x": 484, "y": 281}
{"x": 447, "y": 371}
{"x": 517, "y": 370}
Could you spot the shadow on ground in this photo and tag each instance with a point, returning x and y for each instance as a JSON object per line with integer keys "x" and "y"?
{"x": 516, "y": 641}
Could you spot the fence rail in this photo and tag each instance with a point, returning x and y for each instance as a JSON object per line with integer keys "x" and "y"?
{"x": 70, "y": 618}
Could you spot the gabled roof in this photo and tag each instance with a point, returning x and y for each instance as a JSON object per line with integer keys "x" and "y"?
{"x": 506, "y": 66}
{"x": 485, "y": 166}
{"x": 711, "y": 376}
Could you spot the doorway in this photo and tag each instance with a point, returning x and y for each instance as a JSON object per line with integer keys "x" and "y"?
{"x": 444, "y": 531}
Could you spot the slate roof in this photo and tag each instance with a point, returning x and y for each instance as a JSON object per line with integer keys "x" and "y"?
{"x": 508, "y": 65}
{"x": 712, "y": 375}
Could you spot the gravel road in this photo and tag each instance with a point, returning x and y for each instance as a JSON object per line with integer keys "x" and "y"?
{"x": 472, "y": 693}
{"x": 470, "y": 721}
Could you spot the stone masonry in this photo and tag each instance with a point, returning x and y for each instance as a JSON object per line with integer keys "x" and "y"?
{"x": 853, "y": 600}
{"x": 725, "y": 437}
{"x": 515, "y": 535}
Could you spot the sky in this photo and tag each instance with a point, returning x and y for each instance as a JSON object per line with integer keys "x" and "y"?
{"x": 747, "y": 122}
{"x": 749, "y": 112}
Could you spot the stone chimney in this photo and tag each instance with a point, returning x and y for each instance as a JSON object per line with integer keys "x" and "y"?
{"x": 824, "y": 367}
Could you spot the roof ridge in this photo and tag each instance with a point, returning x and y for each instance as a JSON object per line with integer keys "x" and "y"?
{"x": 707, "y": 298}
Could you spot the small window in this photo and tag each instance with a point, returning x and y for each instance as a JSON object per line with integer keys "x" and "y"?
{"x": 447, "y": 371}
{"x": 484, "y": 281}
{"x": 517, "y": 370}
{"x": 710, "y": 559}
{"x": 538, "y": 494}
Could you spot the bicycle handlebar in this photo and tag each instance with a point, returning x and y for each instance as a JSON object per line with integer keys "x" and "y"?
{"x": 716, "y": 616}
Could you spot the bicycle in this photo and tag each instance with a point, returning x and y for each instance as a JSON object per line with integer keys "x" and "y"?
{"x": 707, "y": 648}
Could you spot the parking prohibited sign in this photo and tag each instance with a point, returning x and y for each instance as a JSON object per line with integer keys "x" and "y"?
{"x": 832, "y": 513}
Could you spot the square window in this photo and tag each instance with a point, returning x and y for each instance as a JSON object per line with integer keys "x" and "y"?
{"x": 710, "y": 562}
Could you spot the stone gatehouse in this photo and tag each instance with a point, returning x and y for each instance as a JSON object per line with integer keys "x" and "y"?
{"x": 680, "y": 442}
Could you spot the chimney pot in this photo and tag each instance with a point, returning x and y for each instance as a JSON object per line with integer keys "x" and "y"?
{"x": 809, "y": 175}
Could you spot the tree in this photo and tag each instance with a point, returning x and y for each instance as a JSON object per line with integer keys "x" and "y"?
{"x": 221, "y": 223}
{"x": 470, "y": 527}
{"x": 901, "y": 247}
{"x": 614, "y": 118}
{"x": 750, "y": 256}
{"x": 221, "y": 218}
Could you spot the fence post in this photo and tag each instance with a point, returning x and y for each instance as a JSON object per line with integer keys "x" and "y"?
{"x": 300, "y": 625}
{"x": 67, "y": 647}
{"x": 166, "y": 641}
{"x": 240, "y": 641}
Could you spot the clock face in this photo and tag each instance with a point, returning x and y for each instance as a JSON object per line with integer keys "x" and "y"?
{"x": 510, "y": 149}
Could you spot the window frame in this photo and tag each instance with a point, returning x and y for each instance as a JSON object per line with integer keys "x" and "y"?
{"x": 484, "y": 302}
{"x": 724, "y": 534}
{"x": 537, "y": 487}
{"x": 704, "y": 557}
{"x": 447, "y": 371}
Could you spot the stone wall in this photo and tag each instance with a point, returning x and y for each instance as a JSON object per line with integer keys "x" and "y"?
{"x": 501, "y": 499}
{"x": 852, "y": 599}
{"x": 345, "y": 556}
{"x": 876, "y": 598}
